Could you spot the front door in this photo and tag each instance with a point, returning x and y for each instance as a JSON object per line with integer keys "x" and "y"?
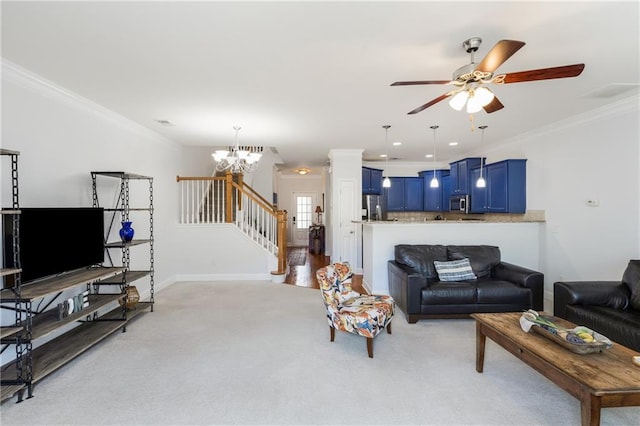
{"x": 304, "y": 204}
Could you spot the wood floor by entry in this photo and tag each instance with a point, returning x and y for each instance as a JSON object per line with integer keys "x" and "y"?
{"x": 305, "y": 275}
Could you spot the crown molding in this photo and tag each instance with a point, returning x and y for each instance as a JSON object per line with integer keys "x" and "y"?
{"x": 622, "y": 106}
{"x": 21, "y": 77}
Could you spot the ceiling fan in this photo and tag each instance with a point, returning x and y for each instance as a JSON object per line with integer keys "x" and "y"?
{"x": 470, "y": 80}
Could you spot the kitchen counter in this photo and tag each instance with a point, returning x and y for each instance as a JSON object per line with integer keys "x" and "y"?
{"x": 441, "y": 222}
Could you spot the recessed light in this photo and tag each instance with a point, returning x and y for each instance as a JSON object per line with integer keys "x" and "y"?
{"x": 302, "y": 171}
{"x": 453, "y": 143}
{"x": 383, "y": 155}
{"x": 429, "y": 155}
{"x": 397, "y": 143}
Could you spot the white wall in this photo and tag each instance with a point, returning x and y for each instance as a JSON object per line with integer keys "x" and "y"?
{"x": 590, "y": 157}
{"x": 62, "y": 137}
{"x": 223, "y": 254}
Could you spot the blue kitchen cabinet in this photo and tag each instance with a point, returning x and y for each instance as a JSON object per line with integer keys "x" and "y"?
{"x": 406, "y": 194}
{"x": 371, "y": 181}
{"x": 506, "y": 188}
{"x": 433, "y": 197}
{"x": 461, "y": 174}
{"x": 446, "y": 192}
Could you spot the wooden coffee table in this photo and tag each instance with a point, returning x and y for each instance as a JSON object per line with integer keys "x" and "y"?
{"x": 598, "y": 380}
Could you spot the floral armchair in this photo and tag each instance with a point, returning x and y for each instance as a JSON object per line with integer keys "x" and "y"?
{"x": 350, "y": 311}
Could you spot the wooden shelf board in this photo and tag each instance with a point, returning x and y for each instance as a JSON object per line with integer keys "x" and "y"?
{"x": 7, "y": 391}
{"x": 9, "y": 271}
{"x": 120, "y": 244}
{"x": 63, "y": 349}
{"x": 140, "y": 307}
{"x": 47, "y": 322}
{"x": 9, "y": 331}
{"x": 122, "y": 175}
{"x": 9, "y": 211}
{"x": 61, "y": 282}
{"x": 131, "y": 209}
{"x": 131, "y": 276}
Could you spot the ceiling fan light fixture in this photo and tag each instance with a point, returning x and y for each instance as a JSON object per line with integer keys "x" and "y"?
{"x": 483, "y": 95}
{"x": 473, "y": 104}
{"x": 458, "y": 100}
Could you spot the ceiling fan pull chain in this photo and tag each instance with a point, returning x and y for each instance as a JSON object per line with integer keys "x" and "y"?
{"x": 471, "y": 120}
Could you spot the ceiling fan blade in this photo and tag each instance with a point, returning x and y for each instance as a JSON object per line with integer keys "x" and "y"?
{"x": 428, "y": 104}
{"x": 493, "y": 106}
{"x": 544, "y": 73}
{"x": 499, "y": 54}
{"x": 412, "y": 83}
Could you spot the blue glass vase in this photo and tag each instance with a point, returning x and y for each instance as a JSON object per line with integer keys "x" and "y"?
{"x": 126, "y": 232}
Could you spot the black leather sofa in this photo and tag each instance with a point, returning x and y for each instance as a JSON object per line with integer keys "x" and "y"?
{"x": 499, "y": 287}
{"x": 611, "y": 308}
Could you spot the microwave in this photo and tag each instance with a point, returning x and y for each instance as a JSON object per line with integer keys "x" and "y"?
{"x": 459, "y": 203}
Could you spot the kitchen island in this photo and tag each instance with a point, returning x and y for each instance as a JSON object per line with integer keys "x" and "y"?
{"x": 519, "y": 242}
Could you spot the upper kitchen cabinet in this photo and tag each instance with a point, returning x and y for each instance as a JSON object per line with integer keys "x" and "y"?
{"x": 406, "y": 194}
{"x": 371, "y": 181}
{"x": 461, "y": 174}
{"x": 505, "y": 191}
{"x": 434, "y": 199}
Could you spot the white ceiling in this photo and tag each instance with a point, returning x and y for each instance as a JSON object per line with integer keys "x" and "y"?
{"x": 305, "y": 77}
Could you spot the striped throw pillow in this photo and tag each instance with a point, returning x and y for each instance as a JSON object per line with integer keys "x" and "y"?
{"x": 455, "y": 270}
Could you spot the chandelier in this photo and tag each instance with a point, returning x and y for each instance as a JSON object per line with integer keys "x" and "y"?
{"x": 237, "y": 159}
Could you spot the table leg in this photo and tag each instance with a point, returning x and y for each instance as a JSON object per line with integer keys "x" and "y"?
{"x": 590, "y": 410}
{"x": 480, "y": 342}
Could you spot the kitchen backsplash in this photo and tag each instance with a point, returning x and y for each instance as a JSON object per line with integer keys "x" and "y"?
{"x": 529, "y": 216}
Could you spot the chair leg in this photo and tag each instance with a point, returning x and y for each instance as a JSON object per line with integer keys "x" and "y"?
{"x": 389, "y": 328}
{"x": 333, "y": 333}
{"x": 370, "y": 346}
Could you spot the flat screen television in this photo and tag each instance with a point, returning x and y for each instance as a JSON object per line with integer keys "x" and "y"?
{"x": 54, "y": 240}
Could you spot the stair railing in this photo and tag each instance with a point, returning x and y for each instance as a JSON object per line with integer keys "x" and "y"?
{"x": 208, "y": 200}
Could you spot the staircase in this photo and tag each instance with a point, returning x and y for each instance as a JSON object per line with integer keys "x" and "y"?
{"x": 227, "y": 199}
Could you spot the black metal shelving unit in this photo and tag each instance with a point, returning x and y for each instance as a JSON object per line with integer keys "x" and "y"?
{"x": 124, "y": 212}
{"x": 17, "y": 334}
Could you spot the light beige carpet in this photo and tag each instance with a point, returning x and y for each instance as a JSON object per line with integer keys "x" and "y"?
{"x": 259, "y": 353}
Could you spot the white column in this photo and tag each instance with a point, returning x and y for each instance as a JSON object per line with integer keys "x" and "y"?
{"x": 344, "y": 204}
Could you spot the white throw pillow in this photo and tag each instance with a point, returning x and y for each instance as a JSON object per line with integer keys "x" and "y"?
{"x": 455, "y": 270}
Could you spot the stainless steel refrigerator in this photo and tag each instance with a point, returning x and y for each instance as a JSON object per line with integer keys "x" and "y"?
{"x": 374, "y": 207}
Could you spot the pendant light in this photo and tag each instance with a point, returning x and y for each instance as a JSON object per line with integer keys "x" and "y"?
{"x": 386, "y": 182}
{"x": 480, "y": 183}
{"x": 434, "y": 181}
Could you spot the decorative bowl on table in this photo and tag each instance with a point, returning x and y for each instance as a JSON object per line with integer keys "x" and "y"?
{"x": 580, "y": 339}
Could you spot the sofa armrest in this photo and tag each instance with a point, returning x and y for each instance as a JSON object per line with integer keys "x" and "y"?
{"x": 524, "y": 277}
{"x": 405, "y": 285}
{"x": 613, "y": 294}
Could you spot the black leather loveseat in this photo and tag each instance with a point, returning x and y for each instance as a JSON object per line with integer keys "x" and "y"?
{"x": 500, "y": 287}
{"x": 611, "y": 308}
